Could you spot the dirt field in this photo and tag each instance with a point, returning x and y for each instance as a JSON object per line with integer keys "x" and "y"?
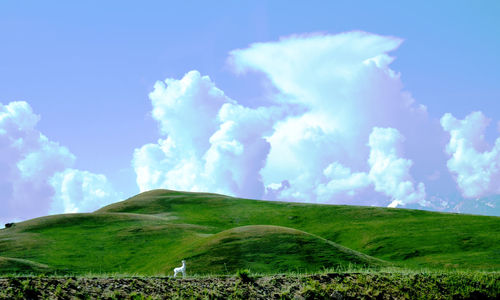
{"x": 328, "y": 286}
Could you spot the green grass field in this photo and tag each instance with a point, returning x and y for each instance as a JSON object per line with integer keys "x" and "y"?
{"x": 150, "y": 234}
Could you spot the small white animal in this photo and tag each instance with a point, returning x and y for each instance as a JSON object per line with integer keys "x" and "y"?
{"x": 181, "y": 269}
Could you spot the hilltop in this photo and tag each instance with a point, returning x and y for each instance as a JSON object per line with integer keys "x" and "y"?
{"x": 150, "y": 233}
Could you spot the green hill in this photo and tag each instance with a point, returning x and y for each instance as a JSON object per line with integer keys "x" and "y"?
{"x": 153, "y": 231}
{"x": 262, "y": 248}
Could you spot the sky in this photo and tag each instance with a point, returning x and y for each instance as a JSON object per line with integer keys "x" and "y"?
{"x": 340, "y": 102}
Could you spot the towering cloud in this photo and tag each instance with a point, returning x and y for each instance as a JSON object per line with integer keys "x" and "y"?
{"x": 29, "y": 167}
{"x": 345, "y": 88}
{"x": 332, "y": 132}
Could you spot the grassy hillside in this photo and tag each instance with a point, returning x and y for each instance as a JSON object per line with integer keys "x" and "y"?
{"x": 414, "y": 238}
{"x": 262, "y": 248}
{"x": 151, "y": 232}
{"x": 12, "y": 265}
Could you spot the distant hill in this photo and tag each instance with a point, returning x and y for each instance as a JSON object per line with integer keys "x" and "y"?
{"x": 152, "y": 232}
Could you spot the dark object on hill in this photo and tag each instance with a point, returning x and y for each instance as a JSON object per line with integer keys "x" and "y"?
{"x": 9, "y": 225}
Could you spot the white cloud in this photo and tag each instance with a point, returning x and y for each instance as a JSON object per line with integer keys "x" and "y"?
{"x": 164, "y": 165}
{"x": 186, "y": 110}
{"x": 238, "y": 149}
{"x": 476, "y": 169}
{"x": 239, "y": 144}
{"x": 309, "y": 142}
{"x": 344, "y": 87}
{"x": 389, "y": 172}
{"x": 48, "y": 158}
{"x": 17, "y": 117}
{"x": 211, "y": 143}
{"x": 81, "y": 191}
{"x": 342, "y": 183}
{"x": 28, "y": 159}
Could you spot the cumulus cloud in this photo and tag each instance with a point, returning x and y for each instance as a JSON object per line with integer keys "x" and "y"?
{"x": 389, "y": 171}
{"x": 186, "y": 109}
{"x": 28, "y": 161}
{"x": 343, "y": 183}
{"x": 80, "y": 191}
{"x": 331, "y": 133}
{"x": 211, "y": 144}
{"x": 475, "y": 169}
{"x": 230, "y": 156}
{"x": 238, "y": 149}
{"x": 346, "y": 88}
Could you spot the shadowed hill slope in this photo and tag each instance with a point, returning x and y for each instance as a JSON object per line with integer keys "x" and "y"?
{"x": 99, "y": 242}
{"x": 263, "y": 247}
{"x": 149, "y": 244}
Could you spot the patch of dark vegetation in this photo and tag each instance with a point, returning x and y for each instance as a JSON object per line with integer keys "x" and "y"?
{"x": 244, "y": 276}
{"x": 380, "y": 285}
{"x": 412, "y": 254}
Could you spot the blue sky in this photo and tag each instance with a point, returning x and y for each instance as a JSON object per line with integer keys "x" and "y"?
{"x": 87, "y": 70}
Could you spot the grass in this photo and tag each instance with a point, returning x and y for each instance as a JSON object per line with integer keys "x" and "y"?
{"x": 12, "y": 265}
{"x": 261, "y": 248}
{"x": 150, "y": 234}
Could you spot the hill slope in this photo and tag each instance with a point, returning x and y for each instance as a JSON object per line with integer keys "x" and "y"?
{"x": 262, "y": 248}
{"x": 12, "y": 265}
{"x": 151, "y": 232}
{"x": 413, "y": 238}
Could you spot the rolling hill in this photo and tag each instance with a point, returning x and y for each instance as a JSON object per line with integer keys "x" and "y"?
{"x": 150, "y": 233}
